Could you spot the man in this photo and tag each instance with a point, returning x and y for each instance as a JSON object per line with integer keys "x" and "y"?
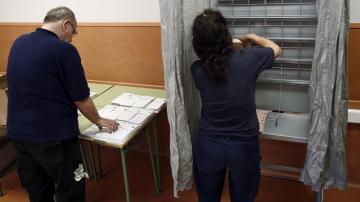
{"x": 46, "y": 86}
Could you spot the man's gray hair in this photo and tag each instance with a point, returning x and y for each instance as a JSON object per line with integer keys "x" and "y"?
{"x": 59, "y": 13}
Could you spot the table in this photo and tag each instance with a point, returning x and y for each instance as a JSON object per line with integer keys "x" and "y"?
{"x": 104, "y": 99}
{"x": 99, "y": 88}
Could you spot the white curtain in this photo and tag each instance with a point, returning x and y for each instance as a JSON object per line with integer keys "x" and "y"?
{"x": 183, "y": 103}
{"x": 325, "y": 163}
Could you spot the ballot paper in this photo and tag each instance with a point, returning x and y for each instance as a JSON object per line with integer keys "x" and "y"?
{"x": 131, "y": 100}
{"x": 123, "y": 133}
{"x": 122, "y": 99}
{"x": 261, "y": 115}
{"x": 109, "y": 112}
{"x": 141, "y": 116}
{"x": 132, "y": 115}
{"x": 117, "y": 113}
{"x": 156, "y": 104}
{"x": 126, "y": 114}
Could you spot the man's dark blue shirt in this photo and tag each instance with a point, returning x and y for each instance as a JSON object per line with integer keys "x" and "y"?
{"x": 45, "y": 78}
{"x": 229, "y": 108}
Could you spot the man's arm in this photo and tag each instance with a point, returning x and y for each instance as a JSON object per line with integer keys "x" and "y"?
{"x": 87, "y": 108}
{"x": 263, "y": 42}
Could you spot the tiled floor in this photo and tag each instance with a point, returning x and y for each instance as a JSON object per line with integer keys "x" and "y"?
{"x": 110, "y": 187}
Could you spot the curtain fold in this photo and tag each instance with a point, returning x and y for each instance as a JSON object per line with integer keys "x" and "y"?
{"x": 183, "y": 102}
{"x": 325, "y": 164}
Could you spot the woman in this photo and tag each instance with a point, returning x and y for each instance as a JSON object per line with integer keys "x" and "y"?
{"x": 227, "y": 138}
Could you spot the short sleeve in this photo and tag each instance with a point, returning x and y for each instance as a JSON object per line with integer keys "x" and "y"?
{"x": 199, "y": 76}
{"x": 195, "y": 67}
{"x": 263, "y": 58}
{"x": 75, "y": 81}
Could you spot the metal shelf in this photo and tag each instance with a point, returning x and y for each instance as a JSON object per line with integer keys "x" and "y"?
{"x": 292, "y": 24}
{"x": 262, "y": 2}
{"x": 283, "y": 81}
{"x": 297, "y": 77}
{"x": 276, "y": 31}
{"x": 269, "y": 10}
{"x": 294, "y": 60}
{"x": 287, "y": 127}
{"x": 278, "y": 21}
{"x": 305, "y": 40}
{"x": 290, "y": 98}
{"x": 285, "y": 66}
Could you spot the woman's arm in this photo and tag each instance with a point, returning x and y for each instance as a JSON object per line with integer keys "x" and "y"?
{"x": 263, "y": 42}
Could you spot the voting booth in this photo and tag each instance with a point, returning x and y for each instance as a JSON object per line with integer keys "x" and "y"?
{"x": 282, "y": 92}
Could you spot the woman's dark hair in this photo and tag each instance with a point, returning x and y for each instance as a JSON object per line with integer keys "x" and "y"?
{"x": 212, "y": 43}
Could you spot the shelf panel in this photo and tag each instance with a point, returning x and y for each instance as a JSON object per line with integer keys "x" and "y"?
{"x": 294, "y": 60}
{"x": 287, "y": 127}
{"x": 269, "y": 10}
{"x": 262, "y": 2}
{"x": 271, "y": 21}
{"x": 292, "y": 24}
{"x": 299, "y": 77}
{"x": 275, "y": 31}
{"x": 294, "y": 98}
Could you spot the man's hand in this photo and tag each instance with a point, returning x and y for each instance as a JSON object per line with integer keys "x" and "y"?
{"x": 87, "y": 108}
{"x": 110, "y": 125}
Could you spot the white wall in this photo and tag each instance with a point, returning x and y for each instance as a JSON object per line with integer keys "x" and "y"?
{"x": 355, "y": 11}
{"x": 85, "y": 10}
{"x": 101, "y": 10}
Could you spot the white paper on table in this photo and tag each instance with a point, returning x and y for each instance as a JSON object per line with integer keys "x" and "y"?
{"x": 91, "y": 131}
{"x": 123, "y": 99}
{"x": 118, "y": 136}
{"x": 126, "y": 113}
{"x": 110, "y": 112}
{"x": 122, "y": 133}
{"x": 261, "y": 115}
{"x": 142, "y": 101}
{"x": 131, "y": 100}
{"x": 156, "y": 104}
{"x": 141, "y": 116}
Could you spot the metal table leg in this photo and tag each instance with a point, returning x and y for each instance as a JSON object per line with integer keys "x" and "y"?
{"x": 92, "y": 161}
{"x": 125, "y": 173}
{"x": 157, "y": 155}
{"x": 99, "y": 159}
{"x": 157, "y": 192}
{"x": 319, "y": 196}
{"x": 84, "y": 160}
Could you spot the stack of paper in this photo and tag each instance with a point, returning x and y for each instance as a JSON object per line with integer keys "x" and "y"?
{"x": 132, "y": 112}
{"x": 132, "y": 115}
{"x": 123, "y": 98}
{"x": 131, "y": 100}
{"x": 117, "y": 113}
{"x": 126, "y": 114}
{"x": 119, "y": 136}
{"x": 261, "y": 115}
{"x": 109, "y": 112}
{"x": 156, "y": 104}
{"x": 140, "y": 116}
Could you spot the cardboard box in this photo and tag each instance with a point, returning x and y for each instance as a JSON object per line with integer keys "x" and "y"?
{"x": 3, "y": 100}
